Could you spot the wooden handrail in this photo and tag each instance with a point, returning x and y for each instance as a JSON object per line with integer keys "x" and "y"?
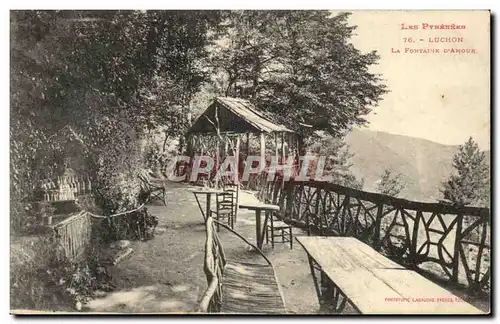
{"x": 211, "y": 275}
{"x": 377, "y": 198}
{"x": 69, "y": 219}
{"x": 211, "y": 263}
{"x": 245, "y": 240}
{"x": 345, "y": 218}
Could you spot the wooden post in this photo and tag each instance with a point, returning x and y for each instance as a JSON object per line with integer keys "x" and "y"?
{"x": 226, "y": 146}
{"x": 414, "y": 239}
{"x": 217, "y": 161}
{"x": 291, "y": 144}
{"x": 378, "y": 221}
{"x": 276, "y": 147}
{"x": 283, "y": 157}
{"x": 192, "y": 145}
{"x": 237, "y": 160}
{"x": 456, "y": 254}
{"x": 289, "y": 190}
{"x": 248, "y": 145}
{"x": 317, "y": 211}
{"x": 201, "y": 146}
{"x": 189, "y": 144}
{"x": 300, "y": 145}
{"x": 237, "y": 175}
{"x": 189, "y": 168}
{"x": 262, "y": 151}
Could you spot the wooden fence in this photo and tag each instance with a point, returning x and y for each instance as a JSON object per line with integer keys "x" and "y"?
{"x": 74, "y": 234}
{"x": 452, "y": 242}
{"x": 65, "y": 188}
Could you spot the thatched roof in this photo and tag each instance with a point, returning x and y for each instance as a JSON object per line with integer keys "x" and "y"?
{"x": 234, "y": 115}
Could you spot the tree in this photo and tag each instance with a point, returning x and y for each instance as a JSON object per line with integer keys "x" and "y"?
{"x": 338, "y": 159}
{"x": 390, "y": 184}
{"x": 470, "y": 184}
{"x": 109, "y": 75}
{"x": 301, "y": 66}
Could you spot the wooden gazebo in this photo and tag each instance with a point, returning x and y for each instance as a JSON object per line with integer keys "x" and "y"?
{"x": 222, "y": 126}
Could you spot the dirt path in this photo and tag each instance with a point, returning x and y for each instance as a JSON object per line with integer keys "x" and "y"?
{"x": 165, "y": 274}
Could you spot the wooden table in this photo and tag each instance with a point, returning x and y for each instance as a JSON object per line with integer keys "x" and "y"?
{"x": 208, "y": 193}
{"x": 351, "y": 271}
{"x": 258, "y": 208}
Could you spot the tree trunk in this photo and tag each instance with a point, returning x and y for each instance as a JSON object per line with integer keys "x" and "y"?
{"x": 165, "y": 143}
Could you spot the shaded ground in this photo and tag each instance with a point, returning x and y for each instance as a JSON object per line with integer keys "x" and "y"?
{"x": 165, "y": 274}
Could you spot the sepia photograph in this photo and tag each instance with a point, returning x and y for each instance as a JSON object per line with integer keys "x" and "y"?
{"x": 275, "y": 162}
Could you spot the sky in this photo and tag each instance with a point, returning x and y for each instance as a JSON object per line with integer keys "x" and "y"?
{"x": 441, "y": 97}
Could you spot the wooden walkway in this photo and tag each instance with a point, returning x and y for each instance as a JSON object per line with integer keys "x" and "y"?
{"x": 262, "y": 296}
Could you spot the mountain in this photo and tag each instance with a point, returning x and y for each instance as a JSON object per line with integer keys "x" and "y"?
{"x": 424, "y": 164}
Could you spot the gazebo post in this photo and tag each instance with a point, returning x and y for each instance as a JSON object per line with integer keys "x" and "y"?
{"x": 188, "y": 145}
{"x": 217, "y": 161}
{"x": 283, "y": 159}
{"x": 201, "y": 146}
{"x": 193, "y": 145}
{"x": 192, "y": 154}
{"x": 237, "y": 174}
{"x": 226, "y": 145}
{"x": 276, "y": 154}
{"x": 300, "y": 145}
{"x": 283, "y": 146}
{"x": 262, "y": 151}
{"x": 237, "y": 160}
{"x": 247, "y": 145}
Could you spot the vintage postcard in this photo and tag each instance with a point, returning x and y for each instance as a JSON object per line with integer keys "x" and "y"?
{"x": 250, "y": 162}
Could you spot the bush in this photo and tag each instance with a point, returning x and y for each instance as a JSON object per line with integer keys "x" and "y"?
{"x": 87, "y": 203}
{"x": 115, "y": 165}
{"x": 26, "y": 218}
{"x": 42, "y": 278}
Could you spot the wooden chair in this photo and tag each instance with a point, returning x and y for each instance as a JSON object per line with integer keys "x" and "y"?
{"x": 233, "y": 188}
{"x": 153, "y": 189}
{"x": 276, "y": 228}
{"x": 224, "y": 208}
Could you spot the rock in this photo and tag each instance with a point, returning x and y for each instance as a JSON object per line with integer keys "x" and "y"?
{"x": 160, "y": 230}
{"x": 121, "y": 244}
{"x": 122, "y": 255}
{"x": 180, "y": 288}
{"x": 99, "y": 293}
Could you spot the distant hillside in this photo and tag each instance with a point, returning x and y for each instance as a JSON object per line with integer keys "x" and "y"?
{"x": 423, "y": 163}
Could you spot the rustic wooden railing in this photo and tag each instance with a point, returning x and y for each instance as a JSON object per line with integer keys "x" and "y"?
{"x": 454, "y": 242}
{"x": 215, "y": 262}
{"x": 74, "y": 234}
{"x": 65, "y": 188}
{"x": 214, "y": 266}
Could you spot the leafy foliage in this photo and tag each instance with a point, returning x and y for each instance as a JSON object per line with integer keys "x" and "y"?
{"x": 108, "y": 76}
{"x": 471, "y": 183}
{"x": 390, "y": 184}
{"x": 301, "y": 66}
{"x": 106, "y": 73}
{"x": 338, "y": 162}
{"x": 43, "y": 279}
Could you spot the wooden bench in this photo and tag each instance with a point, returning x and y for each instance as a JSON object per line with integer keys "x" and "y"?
{"x": 153, "y": 188}
{"x": 237, "y": 287}
{"x": 348, "y": 271}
